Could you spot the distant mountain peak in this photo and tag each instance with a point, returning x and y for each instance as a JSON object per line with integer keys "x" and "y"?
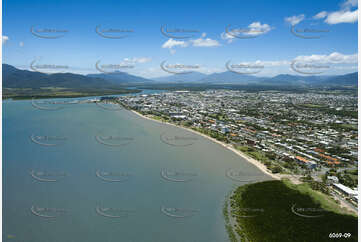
{"x": 13, "y": 77}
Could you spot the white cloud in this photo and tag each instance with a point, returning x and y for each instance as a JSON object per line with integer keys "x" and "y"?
{"x": 21, "y": 44}
{"x": 138, "y": 60}
{"x": 343, "y": 16}
{"x": 334, "y": 57}
{"x": 256, "y": 28}
{"x": 144, "y": 60}
{"x": 170, "y": 43}
{"x": 207, "y": 42}
{"x": 349, "y": 3}
{"x": 347, "y": 68}
{"x": 148, "y": 72}
{"x": 201, "y": 42}
{"x": 293, "y": 20}
{"x": 273, "y": 63}
{"x": 267, "y": 63}
{"x": 340, "y": 64}
{"x": 5, "y": 39}
{"x": 211, "y": 70}
{"x": 227, "y": 37}
{"x": 320, "y": 15}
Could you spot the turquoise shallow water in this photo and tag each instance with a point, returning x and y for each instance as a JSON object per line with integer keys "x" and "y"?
{"x": 83, "y": 173}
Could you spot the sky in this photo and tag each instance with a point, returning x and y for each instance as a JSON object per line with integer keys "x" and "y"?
{"x": 148, "y": 38}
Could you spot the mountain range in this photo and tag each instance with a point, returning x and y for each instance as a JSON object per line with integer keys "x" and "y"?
{"x": 16, "y": 78}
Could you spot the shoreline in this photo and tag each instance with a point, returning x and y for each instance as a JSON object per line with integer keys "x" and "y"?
{"x": 256, "y": 163}
{"x": 63, "y": 95}
{"x": 292, "y": 178}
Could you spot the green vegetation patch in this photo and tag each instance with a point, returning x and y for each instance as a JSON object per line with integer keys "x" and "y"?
{"x": 266, "y": 211}
{"x": 58, "y": 92}
{"x": 311, "y": 105}
{"x": 266, "y": 158}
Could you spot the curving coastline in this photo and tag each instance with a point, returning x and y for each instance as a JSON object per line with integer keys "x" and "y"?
{"x": 256, "y": 163}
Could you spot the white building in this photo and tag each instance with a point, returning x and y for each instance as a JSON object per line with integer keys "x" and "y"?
{"x": 332, "y": 179}
{"x": 345, "y": 190}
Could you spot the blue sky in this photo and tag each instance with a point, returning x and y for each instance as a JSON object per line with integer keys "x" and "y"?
{"x": 269, "y": 23}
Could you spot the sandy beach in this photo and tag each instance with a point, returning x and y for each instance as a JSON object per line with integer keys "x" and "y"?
{"x": 256, "y": 163}
{"x": 293, "y": 178}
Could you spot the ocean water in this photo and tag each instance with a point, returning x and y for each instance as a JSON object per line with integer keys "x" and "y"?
{"x": 86, "y": 172}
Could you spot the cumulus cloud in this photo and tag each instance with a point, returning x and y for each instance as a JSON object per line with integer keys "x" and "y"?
{"x": 339, "y": 63}
{"x": 253, "y": 29}
{"x": 229, "y": 38}
{"x": 346, "y": 14}
{"x": 266, "y": 63}
{"x": 272, "y": 63}
{"x": 170, "y": 43}
{"x": 204, "y": 42}
{"x": 149, "y": 72}
{"x": 334, "y": 57}
{"x": 293, "y": 20}
{"x": 5, "y": 39}
{"x": 256, "y": 28}
{"x": 200, "y": 42}
{"x": 349, "y": 4}
{"x": 320, "y": 15}
{"x": 343, "y": 16}
{"x": 138, "y": 60}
